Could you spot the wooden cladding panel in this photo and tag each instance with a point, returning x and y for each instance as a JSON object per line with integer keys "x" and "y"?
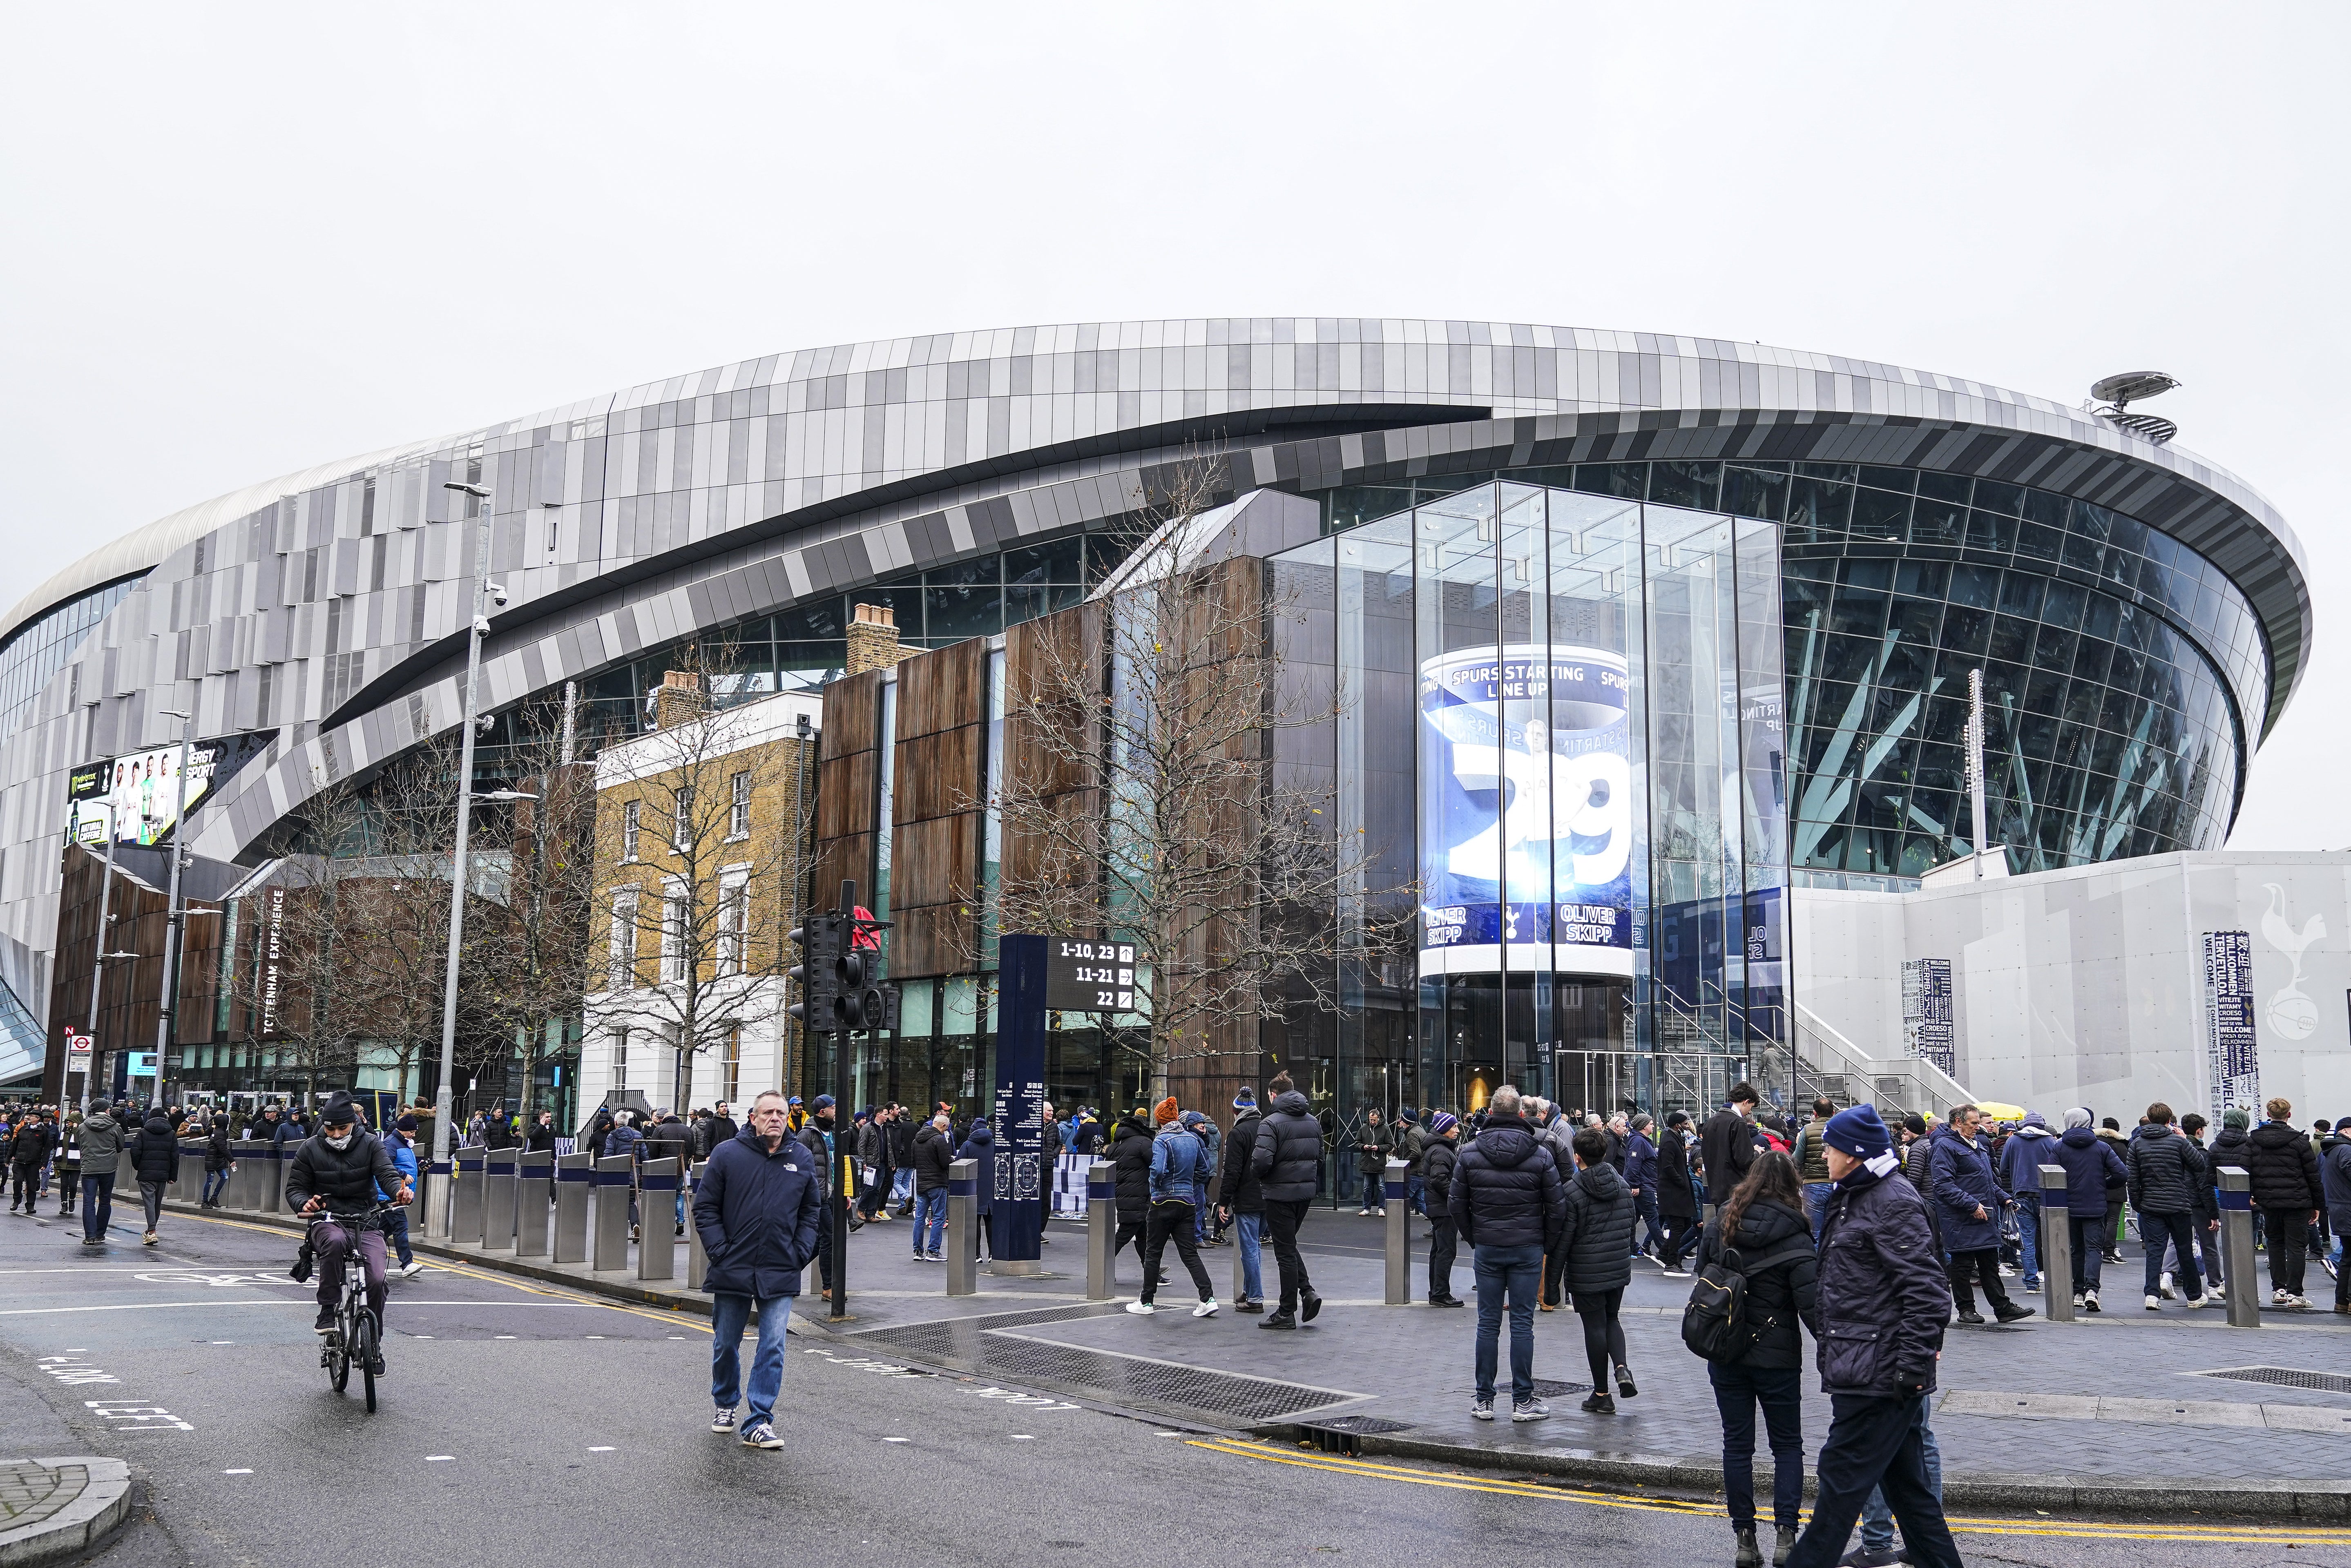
{"x": 1054, "y": 663}
{"x": 938, "y": 774}
{"x": 846, "y": 802}
{"x": 853, "y": 714}
{"x": 853, "y": 857}
{"x": 934, "y": 940}
{"x": 943, "y": 690}
{"x": 934, "y": 861}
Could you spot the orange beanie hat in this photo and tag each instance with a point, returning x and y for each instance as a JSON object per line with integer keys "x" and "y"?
{"x": 1164, "y": 1112}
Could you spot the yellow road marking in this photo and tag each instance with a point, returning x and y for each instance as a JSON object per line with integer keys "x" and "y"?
{"x": 2186, "y": 1534}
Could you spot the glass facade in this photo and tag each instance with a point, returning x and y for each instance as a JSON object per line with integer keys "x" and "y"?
{"x": 2125, "y": 676}
{"x": 41, "y": 647}
{"x": 1591, "y": 816}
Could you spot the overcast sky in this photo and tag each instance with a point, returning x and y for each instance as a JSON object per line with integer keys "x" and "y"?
{"x": 242, "y": 240}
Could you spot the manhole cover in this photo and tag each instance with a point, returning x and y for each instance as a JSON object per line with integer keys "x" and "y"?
{"x": 1361, "y": 1425}
{"x": 2285, "y": 1377}
{"x": 992, "y": 1346}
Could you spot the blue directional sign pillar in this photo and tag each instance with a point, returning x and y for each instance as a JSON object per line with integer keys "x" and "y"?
{"x": 1020, "y": 1180}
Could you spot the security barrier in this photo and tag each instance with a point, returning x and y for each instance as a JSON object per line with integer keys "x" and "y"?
{"x": 2245, "y": 1287}
{"x": 533, "y": 1186}
{"x": 611, "y": 1221}
{"x": 498, "y": 1201}
{"x": 2057, "y": 1246}
{"x": 574, "y": 1175}
{"x": 1392, "y": 1190}
{"x": 697, "y": 1261}
{"x": 963, "y": 1227}
{"x": 466, "y": 1201}
{"x": 1102, "y": 1230}
{"x": 438, "y": 1180}
{"x": 657, "y": 1227}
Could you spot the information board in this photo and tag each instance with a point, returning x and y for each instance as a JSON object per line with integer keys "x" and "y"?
{"x": 1082, "y": 975}
{"x": 2231, "y": 1052}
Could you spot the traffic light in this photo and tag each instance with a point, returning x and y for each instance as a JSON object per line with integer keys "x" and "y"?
{"x": 862, "y": 1000}
{"x": 813, "y": 978}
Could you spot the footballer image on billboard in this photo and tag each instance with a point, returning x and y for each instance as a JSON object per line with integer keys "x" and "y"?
{"x": 137, "y": 795}
{"x": 1527, "y": 826}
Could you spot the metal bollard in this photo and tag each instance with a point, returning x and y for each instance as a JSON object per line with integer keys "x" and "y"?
{"x": 2057, "y": 1247}
{"x": 2244, "y": 1286}
{"x": 273, "y": 1177}
{"x": 963, "y": 1227}
{"x": 191, "y": 1160}
{"x": 466, "y": 1197}
{"x": 574, "y": 1173}
{"x": 697, "y": 1261}
{"x": 435, "y": 1197}
{"x": 533, "y": 1180}
{"x": 613, "y": 1178}
{"x": 498, "y": 1201}
{"x": 245, "y": 1181}
{"x": 1399, "y": 1293}
{"x": 1102, "y": 1230}
{"x": 657, "y": 1228}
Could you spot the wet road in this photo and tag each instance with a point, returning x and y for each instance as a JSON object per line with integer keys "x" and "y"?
{"x": 522, "y": 1424}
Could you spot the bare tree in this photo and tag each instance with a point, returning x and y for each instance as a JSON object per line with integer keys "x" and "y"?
{"x": 1142, "y": 803}
{"x": 700, "y": 848}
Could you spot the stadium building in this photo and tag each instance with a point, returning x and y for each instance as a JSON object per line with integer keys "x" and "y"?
{"x": 1659, "y": 635}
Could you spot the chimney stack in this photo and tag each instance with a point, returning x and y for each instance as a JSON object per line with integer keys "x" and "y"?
{"x": 678, "y": 699}
{"x": 874, "y": 638}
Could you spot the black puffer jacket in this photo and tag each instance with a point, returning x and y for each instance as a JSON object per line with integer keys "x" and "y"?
{"x": 1883, "y": 1295}
{"x": 1238, "y": 1186}
{"x": 1597, "y": 1238}
{"x": 1506, "y": 1190}
{"x": 933, "y": 1153}
{"x": 1437, "y": 1163}
{"x": 157, "y": 1158}
{"x": 1289, "y": 1150}
{"x": 2230, "y": 1149}
{"x": 2165, "y": 1171}
{"x": 346, "y": 1178}
{"x": 2284, "y": 1167}
{"x": 1130, "y": 1151}
{"x": 1777, "y": 1296}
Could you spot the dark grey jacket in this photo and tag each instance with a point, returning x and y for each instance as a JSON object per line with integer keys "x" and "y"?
{"x": 346, "y": 1178}
{"x": 1289, "y": 1150}
{"x": 102, "y": 1145}
{"x": 1597, "y": 1238}
{"x": 2165, "y": 1169}
{"x": 1883, "y": 1296}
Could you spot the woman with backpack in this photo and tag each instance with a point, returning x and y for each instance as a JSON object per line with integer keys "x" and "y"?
{"x": 1746, "y": 1328}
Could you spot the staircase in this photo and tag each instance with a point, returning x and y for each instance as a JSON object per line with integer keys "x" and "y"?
{"x": 1831, "y": 1067}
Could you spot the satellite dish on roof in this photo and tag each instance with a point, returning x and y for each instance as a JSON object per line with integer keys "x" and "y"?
{"x": 2131, "y": 386}
{"x": 2121, "y": 391}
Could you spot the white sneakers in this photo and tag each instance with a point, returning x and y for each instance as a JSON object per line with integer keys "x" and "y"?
{"x": 2170, "y": 1292}
{"x": 1141, "y": 1309}
{"x": 1206, "y": 1309}
{"x": 2154, "y": 1304}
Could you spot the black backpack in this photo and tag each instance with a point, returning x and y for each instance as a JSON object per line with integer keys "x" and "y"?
{"x": 1714, "y": 1323}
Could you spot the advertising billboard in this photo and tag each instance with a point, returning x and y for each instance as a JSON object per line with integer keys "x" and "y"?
{"x": 1527, "y": 827}
{"x": 137, "y": 794}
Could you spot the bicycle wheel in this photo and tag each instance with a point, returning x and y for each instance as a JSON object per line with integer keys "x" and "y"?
{"x": 338, "y": 1366}
{"x": 364, "y": 1344}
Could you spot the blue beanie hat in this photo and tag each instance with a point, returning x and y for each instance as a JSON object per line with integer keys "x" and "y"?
{"x": 1441, "y": 1123}
{"x": 1858, "y": 1131}
{"x": 1246, "y": 1100}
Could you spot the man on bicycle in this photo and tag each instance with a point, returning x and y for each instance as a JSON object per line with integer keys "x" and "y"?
{"x": 332, "y": 1181}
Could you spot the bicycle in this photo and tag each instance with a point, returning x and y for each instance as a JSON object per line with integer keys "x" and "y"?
{"x": 357, "y": 1336}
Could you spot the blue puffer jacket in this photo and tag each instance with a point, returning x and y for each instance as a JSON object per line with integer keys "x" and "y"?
{"x": 1506, "y": 1189}
{"x": 1962, "y": 1179}
{"x": 1881, "y": 1295}
{"x": 1641, "y": 1164}
{"x": 2090, "y": 1164}
{"x": 758, "y": 1214}
{"x": 1176, "y": 1161}
{"x": 2021, "y": 1159}
{"x": 979, "y": 1143}
{"x": 403, "y": 1150}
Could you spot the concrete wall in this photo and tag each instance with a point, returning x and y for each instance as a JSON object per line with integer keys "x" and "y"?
{"x": 2087, "y": 986}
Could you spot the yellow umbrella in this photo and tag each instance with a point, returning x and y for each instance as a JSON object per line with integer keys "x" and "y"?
{"x": 1995, "y": 1111}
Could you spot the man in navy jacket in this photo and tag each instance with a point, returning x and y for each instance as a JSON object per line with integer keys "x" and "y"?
{"x": 758, "y": 1212}
{"x": 1883, "y": 1301}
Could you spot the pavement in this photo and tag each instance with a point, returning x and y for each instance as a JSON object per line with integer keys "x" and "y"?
{"x": 525, "y": 1422}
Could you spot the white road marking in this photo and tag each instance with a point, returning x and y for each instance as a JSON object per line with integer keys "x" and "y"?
{"x": 137, "y": 1417}
{"x": 237, "y": 1473}
{"x": 600, "y": 1450}
{"x": 503, "y": 1335}
{"x": 1022, "y": 1437}
{"x": 886, "y": 1439}
{"x": 437, "y": 1459}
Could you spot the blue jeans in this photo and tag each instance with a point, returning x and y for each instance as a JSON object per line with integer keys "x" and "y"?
{"x": 901, "y": 1186}
{"x": 1876, "y": 1515}
{"x": 1415, "y": 1195}
{"x": 1252, "y": 1283}
{"x": 728, "y": 1313}
{"x": 1515, "y": 1272}
{"x": 2028, "y": 1237}
{"x": 1738, "y": 1390}
{"x": 930, "y": 1233}
{"x": 97, "y": 1205}
{"x": 216, "y": 1184}
{"x": 1816, "y": 1202}
{"x": 1645, "y": 1207}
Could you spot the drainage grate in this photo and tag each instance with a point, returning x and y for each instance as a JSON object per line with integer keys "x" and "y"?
{"x": 989, "y": 1347}
{"x": 1545, "y": 1387}
{"x": 2285, "y": 1377}
{"x": 1360, "y": 1425}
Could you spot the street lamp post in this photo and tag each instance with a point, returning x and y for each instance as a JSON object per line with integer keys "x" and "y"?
{"x": 442, "y": 1106}
{"x": 98, "y": 956}
{"x": 175, "y": 924}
